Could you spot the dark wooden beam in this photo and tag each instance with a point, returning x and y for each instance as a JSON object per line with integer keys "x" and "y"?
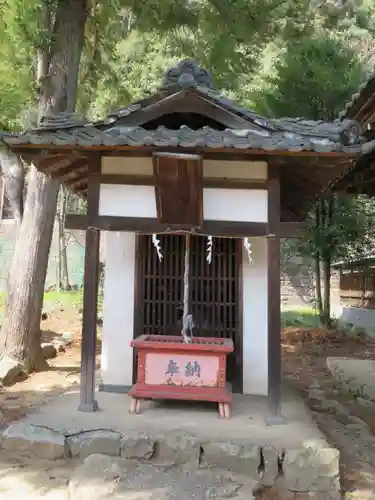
{"x": 274, "y": 416}
{"x": 51, "y": 161}
{"x": 179, "y": 190}
{"x": 145, "y": 225}
{"x": 79, "y": 172}
{"x": 78, "y": 183}
{"x": 149, "y": 180}
{"x": 207, "y": 154}
{"x": 238, "y": 353}
{"x": 250, "y": 153}
{"x": 90, "y": 294}
{"x": 128, "y": 179}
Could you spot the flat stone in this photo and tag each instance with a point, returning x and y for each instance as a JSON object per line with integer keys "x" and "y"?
{"x": 59, "y": 346}
{"x": 49, "y": 350}
{"x": 366, "y": 403}
{"x": 106, "y": 442}
{"x": 137, "y": 446}
{"x": 34, "y": 441}
{"x": 176, "y": 448}
{"x": 317, "y": 394}
{"x": 10, "y": 369}
{"x": 318, "y": 495}
{"x": 312, "y": 469}
{"x": 357, "y": 420}
{"x": 107, "y": 478}
{"x": 330, "y": 405}
{"x": 315, "y": 384}
{"x": 358, "y": 375}
{"x": 66, "y": 339}
{"x": 239, "y": 458}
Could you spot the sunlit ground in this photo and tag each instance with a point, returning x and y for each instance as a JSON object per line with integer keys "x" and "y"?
{"x": 299, "y": 316}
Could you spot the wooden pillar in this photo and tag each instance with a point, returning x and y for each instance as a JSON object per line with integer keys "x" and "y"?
{"x": 274, "y": 415}
{"x": 90, "y": 295}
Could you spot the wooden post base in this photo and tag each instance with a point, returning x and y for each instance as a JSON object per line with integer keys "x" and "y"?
{"x": 135, "y": 406}
{"x": 224, "y": 410}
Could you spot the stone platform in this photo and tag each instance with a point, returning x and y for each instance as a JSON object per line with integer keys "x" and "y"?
{"x": 180, "y": 433}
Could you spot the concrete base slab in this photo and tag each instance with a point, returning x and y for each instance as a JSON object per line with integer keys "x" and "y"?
{"x": 178, "y": 433}
{"x": 247, "y": 418}
{"x": 354, "y": 375}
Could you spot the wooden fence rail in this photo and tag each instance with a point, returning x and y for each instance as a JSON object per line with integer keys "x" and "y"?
{"x": 357, "y": 288}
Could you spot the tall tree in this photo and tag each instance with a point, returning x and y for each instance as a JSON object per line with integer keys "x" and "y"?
{"x": 61, "y": 25}
{"x": 314, "y": 79}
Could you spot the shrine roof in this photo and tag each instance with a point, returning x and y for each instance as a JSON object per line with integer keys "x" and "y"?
{"x": 299, "y": 136}
{"x": 187, "y": 88}
{"x": 189, "y": 114}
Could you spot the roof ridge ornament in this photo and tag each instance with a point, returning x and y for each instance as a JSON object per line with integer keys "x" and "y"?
{"x": 187, "y": 73}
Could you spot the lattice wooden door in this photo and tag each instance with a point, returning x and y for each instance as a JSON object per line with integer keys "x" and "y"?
{"x": 215, "y": 292}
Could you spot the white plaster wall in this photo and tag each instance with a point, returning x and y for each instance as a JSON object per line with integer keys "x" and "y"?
{"x": 212, "y": 169}
{"x": 118, "y": 309}
{"x": 127, "y": 200}
{"x": 249, "y": 170}
{"x": 127, "y": 166}
{"x": 245, "y": 205}
{"x": 255, "y": 319}
{"x": 218, "y": 204}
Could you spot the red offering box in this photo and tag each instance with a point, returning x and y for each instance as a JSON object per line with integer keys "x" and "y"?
{"x": 168, "y": 368}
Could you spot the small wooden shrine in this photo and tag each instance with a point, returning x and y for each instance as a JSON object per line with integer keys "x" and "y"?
{"x": 187, "y": 160}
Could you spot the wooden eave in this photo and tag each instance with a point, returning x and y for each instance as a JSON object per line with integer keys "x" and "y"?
{"x": 360, "y": 179}
{"x": 303, "y": 174}
{"x": 362, "y": 106}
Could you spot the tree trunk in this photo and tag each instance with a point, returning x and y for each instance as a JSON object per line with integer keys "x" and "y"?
{"x": 327, "y": 291}
{"x": 318, "y": 286}
{"x": 59, "y": 243}
{"x": 63, "y": 269}
{"x": 327, "y": 261}
{"x": 318, "y": 280}
{"x": 20, "y": 333}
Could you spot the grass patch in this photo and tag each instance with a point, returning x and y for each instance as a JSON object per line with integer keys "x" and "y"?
{"x": 54, "y": 300}
{"x": 305, "y": 316}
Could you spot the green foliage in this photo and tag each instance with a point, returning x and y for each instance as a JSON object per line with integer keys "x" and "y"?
{"x": 340, "y": 236}
{"x": 228, "y": 38}
{"x": 16, "y": 63}
{"x": 312, "y": 79}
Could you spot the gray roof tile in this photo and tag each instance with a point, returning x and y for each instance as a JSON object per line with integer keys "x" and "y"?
{"x": 184, "y": 137}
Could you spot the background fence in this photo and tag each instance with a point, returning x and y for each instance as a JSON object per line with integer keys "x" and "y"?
{"x": 357, "y": 288}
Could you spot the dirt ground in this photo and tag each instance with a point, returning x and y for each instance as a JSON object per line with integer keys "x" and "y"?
{"x": 305, "y": 351}
{"x": 304, "y": 355}
{"x": 24, "y": 396}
